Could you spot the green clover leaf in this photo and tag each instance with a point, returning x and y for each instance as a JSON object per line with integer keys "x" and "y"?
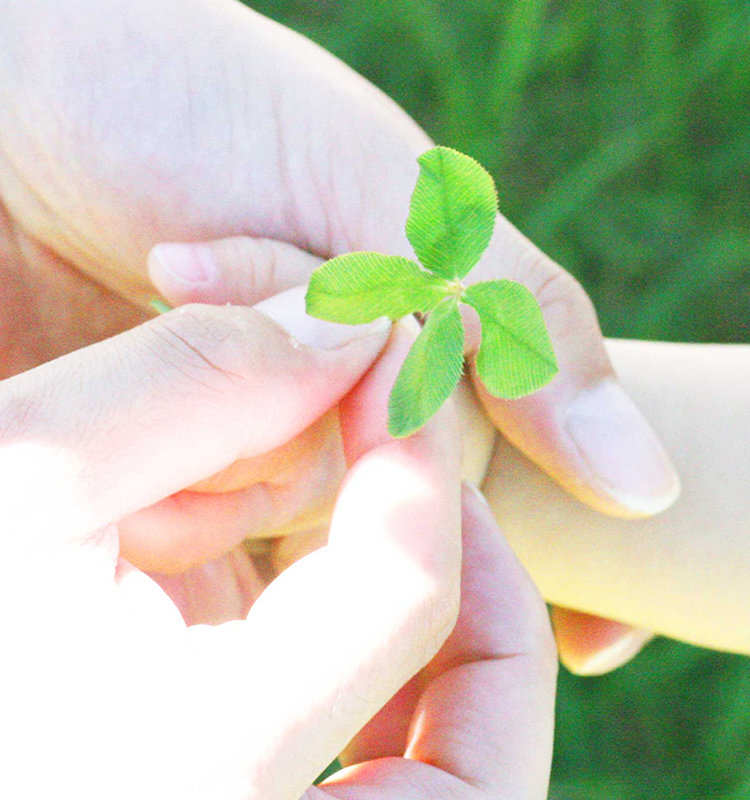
{"x": 515, "y": 356}
{"x": 452, "y": 212}
{"x": 430, "y": 372}
{"x": 451, "y": 219}
{"x": 360, "y": 287}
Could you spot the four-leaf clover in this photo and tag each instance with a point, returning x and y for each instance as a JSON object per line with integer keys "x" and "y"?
{"x": 451, "y": 219}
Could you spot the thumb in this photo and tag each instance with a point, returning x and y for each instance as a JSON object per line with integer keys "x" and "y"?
{"x": 582, "y": 428}
{"x": 330, "y": 167}
{"x": 240, "y": 269}
{"x": 171, "y": 402}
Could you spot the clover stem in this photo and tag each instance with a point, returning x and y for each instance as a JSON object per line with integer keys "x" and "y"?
{"x": 455, "y": 289}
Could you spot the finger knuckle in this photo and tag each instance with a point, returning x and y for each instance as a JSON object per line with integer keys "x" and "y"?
{"x": 205, "y": 343}
{"x": 555, "y": 289}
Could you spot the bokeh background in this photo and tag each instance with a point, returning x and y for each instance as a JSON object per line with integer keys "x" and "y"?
{"x": 618, "y": 132}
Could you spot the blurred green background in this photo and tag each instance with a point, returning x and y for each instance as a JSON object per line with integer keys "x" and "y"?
{"x": 619, "y": 137}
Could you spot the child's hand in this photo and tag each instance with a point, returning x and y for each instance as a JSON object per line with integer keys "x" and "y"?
{"x": 683, "y": 573}
{"x": 304, "y": 475}
{"x": 191, "y": 120}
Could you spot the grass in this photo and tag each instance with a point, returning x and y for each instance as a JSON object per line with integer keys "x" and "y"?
{"x": 618, "y": 132}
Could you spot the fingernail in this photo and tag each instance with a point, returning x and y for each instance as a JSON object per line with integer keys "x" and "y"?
{"x": 184, "y": 263}
{"x": 288, "y": 310}
{"x": 623, "y": 454}
{"x": 614, "y": 655}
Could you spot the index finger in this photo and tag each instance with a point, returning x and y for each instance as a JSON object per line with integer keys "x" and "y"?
{"x": 105, "y": 431}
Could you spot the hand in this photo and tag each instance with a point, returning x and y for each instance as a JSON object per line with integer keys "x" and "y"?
{"x": 587, "y": 644}
{"x": 190, "y": 120}
{"x": 682, "y": 574}
{"x": 161, "y": 133}
{"x": 106, "y": 685}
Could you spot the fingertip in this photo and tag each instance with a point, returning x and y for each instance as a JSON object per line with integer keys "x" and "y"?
{"x": 594, "y": 441}
{"x": 476, "y": 503}
{"x": 181, "y": 272}
{"x": 480, "y": 526}
{"x": 581, "y": 428}
{"x": 589, "y": 645}
{"x": 364, "y": 412}
{"x": 240, "y": 269}
{"x": 620, "y": 451}
{"x": 509, "y": 602}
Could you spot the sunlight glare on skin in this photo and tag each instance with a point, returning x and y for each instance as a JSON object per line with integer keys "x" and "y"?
{"x": 389, "y": 577}
{"x": 387, "y": 504}
{"x": 43, "y": 502}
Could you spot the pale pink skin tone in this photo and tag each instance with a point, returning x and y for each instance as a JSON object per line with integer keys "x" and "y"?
{"x": 682, "y": 573}
{"x": 123, "y": 127}
{"x": 116, "y": 688}
{"x": 118, "y": 697}
{"x": 126, "y": 124}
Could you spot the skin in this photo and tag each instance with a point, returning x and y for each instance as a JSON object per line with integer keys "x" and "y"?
{"x": 682, "y": 573}
{"x": 104, "y": 156}
{"x": 120, "y": 698}
{"x": 160, "y": 135}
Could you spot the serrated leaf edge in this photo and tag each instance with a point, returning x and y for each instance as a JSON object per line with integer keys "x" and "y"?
{"x": 551, "y": 362}
{"x": 454, "y": 303}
